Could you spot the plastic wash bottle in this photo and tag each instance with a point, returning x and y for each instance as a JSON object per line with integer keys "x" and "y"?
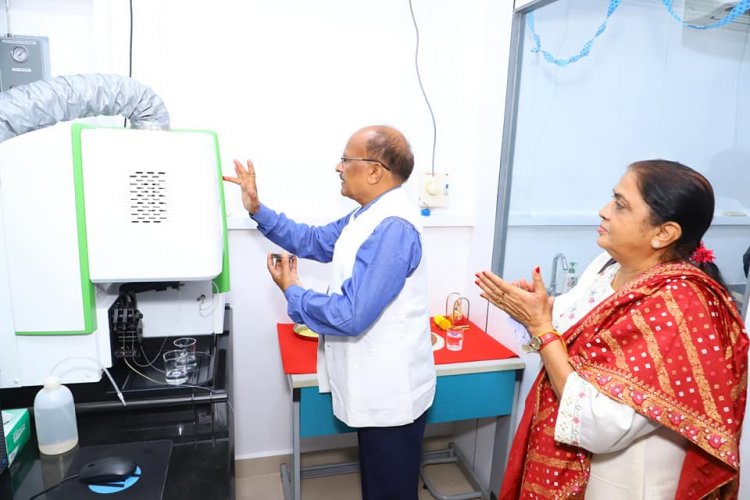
{"x": 55, "y": 418}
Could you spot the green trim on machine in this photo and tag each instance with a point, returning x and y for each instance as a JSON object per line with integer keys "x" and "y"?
{"x": 221, "y": 282}
{"x": 88, "y": 292}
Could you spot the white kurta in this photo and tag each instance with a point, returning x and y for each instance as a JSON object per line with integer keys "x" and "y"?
{"x": 633, "y": 457}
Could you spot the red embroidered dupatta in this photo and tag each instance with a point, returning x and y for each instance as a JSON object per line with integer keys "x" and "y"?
{"x": 670, "y": 345}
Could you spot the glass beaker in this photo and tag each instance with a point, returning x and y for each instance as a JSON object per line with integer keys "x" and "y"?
{"x": 175, "y": 367}
{"x": 187, "y": 345}
{"x": 454, "y": 340}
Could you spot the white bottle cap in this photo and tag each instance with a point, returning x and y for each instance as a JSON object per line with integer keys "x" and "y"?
{"x": 51, "y": 382}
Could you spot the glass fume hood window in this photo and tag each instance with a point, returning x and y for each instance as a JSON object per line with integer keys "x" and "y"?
{"x": 650, "y": 87}
{"x": 646, "y": 86}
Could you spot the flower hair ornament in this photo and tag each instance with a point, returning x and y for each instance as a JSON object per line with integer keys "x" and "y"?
{"x": 702, "y": 255}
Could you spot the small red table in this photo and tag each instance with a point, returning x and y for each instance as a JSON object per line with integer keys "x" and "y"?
{"x": 481, "y": 380}
{"x": 298, "y": 354}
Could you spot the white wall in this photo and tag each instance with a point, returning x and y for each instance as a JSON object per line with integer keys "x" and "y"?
{"x": 285, "y": 83}
{"x": 3, "y": 20}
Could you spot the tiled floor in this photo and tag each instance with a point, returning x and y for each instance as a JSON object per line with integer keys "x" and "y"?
{"x": 447, "y": 478}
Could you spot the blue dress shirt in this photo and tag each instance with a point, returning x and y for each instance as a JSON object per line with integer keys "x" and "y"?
{"x": 383, "y": 262}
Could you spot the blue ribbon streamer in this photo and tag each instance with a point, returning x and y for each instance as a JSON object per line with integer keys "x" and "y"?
{"x": 739, "y": 9}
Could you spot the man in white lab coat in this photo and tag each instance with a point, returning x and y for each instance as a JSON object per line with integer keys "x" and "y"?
{"x": 374, "y": 351}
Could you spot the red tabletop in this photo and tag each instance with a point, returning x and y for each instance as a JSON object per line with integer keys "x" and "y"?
{"x": 298, "y": 354}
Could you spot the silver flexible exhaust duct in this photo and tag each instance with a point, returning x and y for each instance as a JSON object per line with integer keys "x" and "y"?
{"x": 43, "y": 103}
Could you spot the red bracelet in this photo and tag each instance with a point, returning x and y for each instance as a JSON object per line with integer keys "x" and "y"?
{"x": 539, "y": 342}
{"x": 547, "y": 338}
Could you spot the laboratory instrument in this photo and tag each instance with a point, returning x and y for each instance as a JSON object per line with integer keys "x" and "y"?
{"x": 112, "y": 239}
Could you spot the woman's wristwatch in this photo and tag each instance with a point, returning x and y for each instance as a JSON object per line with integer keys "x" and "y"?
{"x": 539, "y": 342}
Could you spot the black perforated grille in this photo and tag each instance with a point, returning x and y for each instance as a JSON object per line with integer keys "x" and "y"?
{"x": 148, "y": 197}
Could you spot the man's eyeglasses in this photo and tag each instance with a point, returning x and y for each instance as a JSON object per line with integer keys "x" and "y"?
{"x": 345, "y": 159}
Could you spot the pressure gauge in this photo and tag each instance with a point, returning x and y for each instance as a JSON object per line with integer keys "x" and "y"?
{"x": 19, "y": 53}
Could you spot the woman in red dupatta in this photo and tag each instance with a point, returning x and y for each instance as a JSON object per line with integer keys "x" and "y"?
{"x": 668, "y": 343}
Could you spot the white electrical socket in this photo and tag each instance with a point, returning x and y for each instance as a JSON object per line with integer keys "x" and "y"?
{"x": 434, "y": 190}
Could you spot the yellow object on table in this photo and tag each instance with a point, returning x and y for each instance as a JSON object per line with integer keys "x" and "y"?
{"x": 443, "y": 322}
{"x": 304, "y": 332}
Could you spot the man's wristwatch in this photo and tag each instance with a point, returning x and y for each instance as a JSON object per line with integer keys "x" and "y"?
{"x": 538, "y": 343}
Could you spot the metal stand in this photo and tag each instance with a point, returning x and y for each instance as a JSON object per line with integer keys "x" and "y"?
{"x": 309, "y": 472}
{"x": 467, "y": 383}
{"x": 448, "y": 456}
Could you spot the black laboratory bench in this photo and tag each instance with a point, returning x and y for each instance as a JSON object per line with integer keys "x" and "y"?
{"x": 187, "y": 432}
